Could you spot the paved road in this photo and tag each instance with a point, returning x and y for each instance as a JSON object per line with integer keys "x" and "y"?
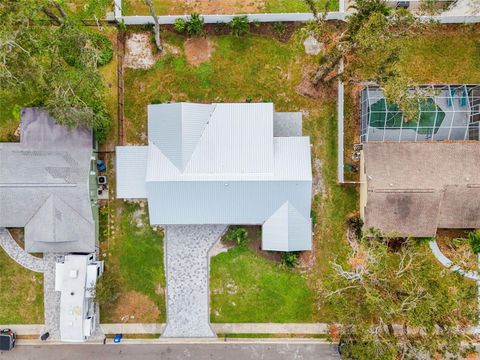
{"x": 244, "y": 351}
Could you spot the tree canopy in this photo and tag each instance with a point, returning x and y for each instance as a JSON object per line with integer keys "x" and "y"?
{"x": 370, "y": 50}
{"x": 47, "y": 54}
{"x": 393, "y": 300}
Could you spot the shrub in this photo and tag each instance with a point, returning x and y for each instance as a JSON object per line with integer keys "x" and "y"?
{"x": 107, "y": 289}
{"x": 195, "y": 25}
{"x": 238, "y": 234}
{"x": 356, "y": 223}
{"x": 279, "y": 28}
{"x": 474, "y": 239}
{"x": 192, "y": 26}
{"x": 239, "y": 25}
{"x": 290, "y": 259}
{"x": 180, "y": 25}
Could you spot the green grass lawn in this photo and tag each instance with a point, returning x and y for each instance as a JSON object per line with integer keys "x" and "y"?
{"x": 21, "y": 294}
{"x": 245, "y": 287}
{"x": 261, "y": 69}
{"x": 446, "y": 55}
{"x": 176, "y": 7}
{"x": 135, "y": 254}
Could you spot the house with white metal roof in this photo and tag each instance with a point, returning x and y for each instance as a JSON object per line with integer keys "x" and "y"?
{"x": 45, "y": 185}
{"x": 233, "y": 164}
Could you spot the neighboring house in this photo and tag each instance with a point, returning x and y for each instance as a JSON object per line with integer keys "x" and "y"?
{"x": 224, "y": 164}
{"x": 45, "y": 185}
{"x": 76, "y": 278}
{"x": 425, "y": 175}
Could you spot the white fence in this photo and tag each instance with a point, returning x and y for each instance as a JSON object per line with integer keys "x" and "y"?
{"x": 218, "y": 19}
{"x": 340, "y": 132}
{"x": 341, "y": 15}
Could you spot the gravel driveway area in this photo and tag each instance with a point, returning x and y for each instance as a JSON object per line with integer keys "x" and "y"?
{"x": 187, "y": 272}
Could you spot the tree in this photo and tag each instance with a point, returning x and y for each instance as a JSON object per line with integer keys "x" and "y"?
{"x": 370, "y": 50}
{"x": 54, "y": 60}
{"x": 156, "y": 26}
{"x": 393, "y": 302}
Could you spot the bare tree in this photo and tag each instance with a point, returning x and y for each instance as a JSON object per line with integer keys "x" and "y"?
{"x": 156, "y": 26}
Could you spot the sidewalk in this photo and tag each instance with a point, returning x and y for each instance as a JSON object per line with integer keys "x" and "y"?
{"x": 226, "y": 328}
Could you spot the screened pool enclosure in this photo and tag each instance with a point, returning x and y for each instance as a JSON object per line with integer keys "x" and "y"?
{"x": 451, "y": 112}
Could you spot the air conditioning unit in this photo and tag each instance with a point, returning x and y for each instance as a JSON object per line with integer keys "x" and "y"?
{"x": 102, "y": 180}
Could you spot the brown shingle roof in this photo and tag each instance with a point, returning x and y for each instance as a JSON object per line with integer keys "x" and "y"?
{"x": 415, "y": 188}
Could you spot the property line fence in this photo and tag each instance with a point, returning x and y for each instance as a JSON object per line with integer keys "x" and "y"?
{"x": 340, "y": 133}
{"x": 219, "y": 19}
{"x": 341, "y": 15}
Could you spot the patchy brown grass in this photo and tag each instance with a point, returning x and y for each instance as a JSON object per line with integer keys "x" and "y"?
{"x": 135, "y": 307}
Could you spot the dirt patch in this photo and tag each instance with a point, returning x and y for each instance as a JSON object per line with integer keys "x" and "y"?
{"x": 198, "y": 50}
{"x": 18, "y": 235}
{"x": 224, "y": 6}
{"x": 306, "y": 88}
{"x": 134, "y": 307}
{"x": 139, "y": 51}
{"x": 255, "y": 244}
{"x": 323, "y": 91}
{"x": 306, "y": 261}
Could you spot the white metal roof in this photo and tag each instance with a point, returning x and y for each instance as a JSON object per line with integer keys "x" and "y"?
{"x": 238, "y": 172}
{"x": 176, "y": 129}
{"x": 131, "y": 167}
{"x": 213, "y": 139}
{"x": 287, "y": 230}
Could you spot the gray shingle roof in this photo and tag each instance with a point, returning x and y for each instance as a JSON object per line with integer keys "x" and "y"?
{"x": 415, "y": 188}
{"x": 44, "y": 185}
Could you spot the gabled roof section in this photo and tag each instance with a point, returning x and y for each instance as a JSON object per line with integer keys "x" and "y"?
{"x": 287, "y": 230}
{"x": 237, "y": 140}
{"x": 56, "y": 222}
{"x": 176, "y": 129}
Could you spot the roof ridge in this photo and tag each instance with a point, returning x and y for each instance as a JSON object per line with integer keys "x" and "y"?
{"x": 38, "y": 209}
{"x": 199, "y": 138}
{"x": 72, "y": 208}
